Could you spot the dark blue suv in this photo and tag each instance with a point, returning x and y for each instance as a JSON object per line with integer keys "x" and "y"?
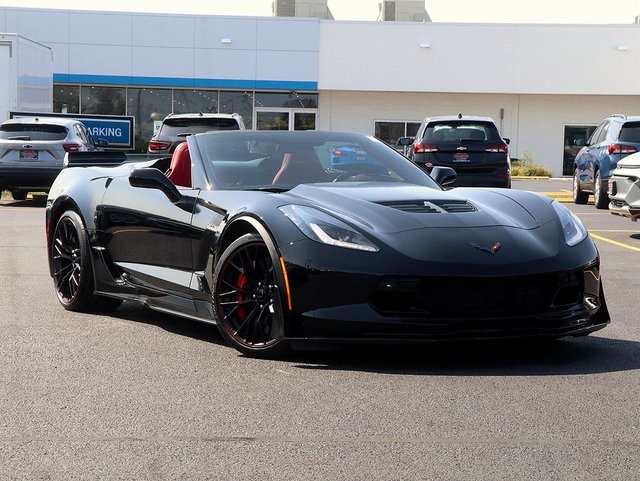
{"x": 615, "y": 138}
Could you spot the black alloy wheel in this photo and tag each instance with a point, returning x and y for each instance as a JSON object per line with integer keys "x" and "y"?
{"x": 72, "y": 269}
{"x": 19, "y": 194}
{"x": 579, "y": 197}
{"x": 247, "y": 299}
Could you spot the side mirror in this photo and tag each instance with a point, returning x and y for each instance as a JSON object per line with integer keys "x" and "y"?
{"x": 443, "y": 175}
{"x": 507, "y": 141}
{"x": 101, "y": 143}
{"x": 154, "y": 179}
{"x": 404, "y": 141}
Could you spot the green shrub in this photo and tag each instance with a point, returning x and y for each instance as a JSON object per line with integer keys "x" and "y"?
{"x": 526, "y": 166}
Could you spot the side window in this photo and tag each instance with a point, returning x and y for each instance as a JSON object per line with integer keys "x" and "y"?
{"x": 603, "y": 132}
{"x": 595, "y": 134}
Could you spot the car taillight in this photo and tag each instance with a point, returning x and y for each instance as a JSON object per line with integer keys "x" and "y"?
{"x": 71, "y": 147}
{"x": 157, "y": 145}
{"x": 420, "y": 148}
{"x": 337, "y": 153}
{"x": 621, "y": 149}
{"x": 500, "y": 148}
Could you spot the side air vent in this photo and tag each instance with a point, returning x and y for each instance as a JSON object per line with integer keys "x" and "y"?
{"x": 431, "y": 206}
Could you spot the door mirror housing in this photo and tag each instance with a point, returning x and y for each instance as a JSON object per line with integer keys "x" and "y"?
{"x": 154, "y": 179}
{"x": 443, "y": 175}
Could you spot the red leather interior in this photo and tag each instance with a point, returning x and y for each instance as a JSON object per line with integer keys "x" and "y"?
{"x": 180, "y": 169}
{"x": 299, "y": 168}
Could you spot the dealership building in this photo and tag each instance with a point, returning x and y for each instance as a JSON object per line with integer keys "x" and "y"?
{"x": 545, "y": 86}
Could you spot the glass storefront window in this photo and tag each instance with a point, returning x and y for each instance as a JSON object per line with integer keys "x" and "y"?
{"x": 390, "y": 132}
{"x": 239, "y": 103}
{"x": 147, "y": 106}
{"x": 187, "y": 101}
{"x": 291, "y": 100}
{"x": 66, "y": 99}
{"x": 103, "y": 100}
{"x": 575, "y": 137}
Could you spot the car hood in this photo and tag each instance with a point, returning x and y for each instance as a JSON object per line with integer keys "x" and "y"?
{"x": 392, "y": 208}
{"x": 630, "y": 162}
{"x": 462, "y": 228}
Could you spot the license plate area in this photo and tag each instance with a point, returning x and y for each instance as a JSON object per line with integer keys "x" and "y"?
{"x": 28, "y": 154}
{"x": 461, "y": 157}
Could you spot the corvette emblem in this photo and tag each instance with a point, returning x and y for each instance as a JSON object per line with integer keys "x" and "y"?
{"x": 491, "y": 250}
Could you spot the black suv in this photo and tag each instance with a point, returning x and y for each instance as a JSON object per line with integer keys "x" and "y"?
{"x": 176, "y": 127}
{"x": 472, "y": 146}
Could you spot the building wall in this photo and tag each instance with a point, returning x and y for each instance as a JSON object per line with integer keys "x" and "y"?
{"x": 532, "y": 79}
{"x": 480, "y": 58}
{"x": 534, "y": 123}
{"x": 174, "y": 50}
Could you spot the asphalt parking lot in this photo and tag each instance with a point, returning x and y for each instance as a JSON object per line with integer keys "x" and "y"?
{"x": 141, "y": 395}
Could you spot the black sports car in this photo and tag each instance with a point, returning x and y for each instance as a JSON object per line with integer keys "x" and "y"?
{"x": 261, "y": 234}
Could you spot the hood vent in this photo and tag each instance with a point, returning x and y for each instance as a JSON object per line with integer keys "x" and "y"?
{"x": 431, "y": 206}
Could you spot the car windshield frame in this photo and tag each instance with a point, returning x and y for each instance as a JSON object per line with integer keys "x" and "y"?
{"x": 255, "y": 160}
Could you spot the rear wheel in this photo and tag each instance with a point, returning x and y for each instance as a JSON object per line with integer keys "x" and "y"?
{"x": 579, "y": 197}
{"x": 600, "y": 196}
{"x": 19, "y": 194}
{"x": 247, "y": 299}
{"x": 72, "y": 269}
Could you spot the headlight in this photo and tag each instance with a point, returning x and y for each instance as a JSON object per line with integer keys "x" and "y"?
{"x": 321, "y": 227}
{"x": 573, "y": 230}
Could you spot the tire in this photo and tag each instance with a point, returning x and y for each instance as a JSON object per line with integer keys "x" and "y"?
{"x": 579, "y": 197}
{"x": 600, "y": 196}
{"x": 19, "y": 194}
{"x": 72, "y": 269}
{"x": 246, "y": 298}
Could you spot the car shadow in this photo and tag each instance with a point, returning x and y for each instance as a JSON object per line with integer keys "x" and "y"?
{"x": 569, "y": 356}
{"x": 201, "y": 331}
{"x": 36, "y": 202}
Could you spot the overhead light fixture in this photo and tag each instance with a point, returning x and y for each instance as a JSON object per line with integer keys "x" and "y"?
{"x": 425, "y": 45}
{"x": 226, "y": 41}
{"x": 622, "y": 48}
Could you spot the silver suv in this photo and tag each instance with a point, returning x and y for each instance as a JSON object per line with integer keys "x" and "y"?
{"x": 32, "y": 151}
{"x": 176, "y": 127}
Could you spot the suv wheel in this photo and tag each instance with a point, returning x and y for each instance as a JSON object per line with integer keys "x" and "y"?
{"x": 579, "y": 197}
{"x": 600, "y": 197}
{"x": 19, "y": 194}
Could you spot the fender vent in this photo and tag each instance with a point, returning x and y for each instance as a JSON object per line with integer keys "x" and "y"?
{"x": 431, "y": 206}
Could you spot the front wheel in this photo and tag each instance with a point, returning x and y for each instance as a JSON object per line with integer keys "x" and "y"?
{"x": 72, "y": 270}
{"x": 246, "y": 298}
{"x": 600, "y": 196}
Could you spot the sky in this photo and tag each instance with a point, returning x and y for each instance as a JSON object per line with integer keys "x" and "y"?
{"x": 485, "y": 11}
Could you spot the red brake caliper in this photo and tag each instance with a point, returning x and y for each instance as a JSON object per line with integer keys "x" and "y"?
{"x": 242, "y": 283}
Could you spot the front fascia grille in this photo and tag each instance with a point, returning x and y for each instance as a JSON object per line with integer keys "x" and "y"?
{"x": 477, "y": 297}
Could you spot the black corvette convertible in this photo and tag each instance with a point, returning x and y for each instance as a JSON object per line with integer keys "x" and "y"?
{"x": 278, "y": 237}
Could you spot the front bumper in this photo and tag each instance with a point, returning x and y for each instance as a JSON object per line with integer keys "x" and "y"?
{"x": 329, "y": 305}
{"x": 624, "y": 195}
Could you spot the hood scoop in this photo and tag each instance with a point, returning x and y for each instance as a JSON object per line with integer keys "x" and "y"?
{"x": 435, "y": 206}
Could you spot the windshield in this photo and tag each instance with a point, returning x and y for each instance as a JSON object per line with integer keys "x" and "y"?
{"x": 277, "y": 160}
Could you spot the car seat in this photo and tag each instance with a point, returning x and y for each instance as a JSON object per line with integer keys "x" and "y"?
{"x": 300, "y": 168}
{"x": 180, "y": 169}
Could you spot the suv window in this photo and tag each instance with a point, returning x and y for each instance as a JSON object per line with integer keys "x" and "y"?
{"x": 630, "y": 132}
{"x": 173, "y": 127}
{"x": 454, "y": 131}
{"x": 33, "y": 132}
{"x": 601, "y": 133}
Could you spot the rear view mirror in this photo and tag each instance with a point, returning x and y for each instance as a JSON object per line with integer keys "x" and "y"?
{"x": 404, "y": 141}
